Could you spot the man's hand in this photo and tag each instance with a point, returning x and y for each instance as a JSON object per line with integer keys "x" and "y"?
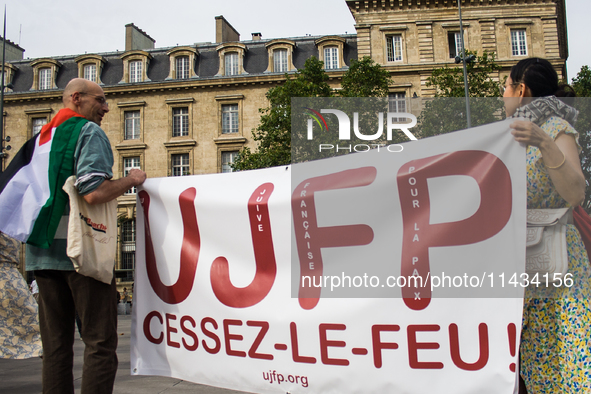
{"x": 137, "y": 175}
{"x": 110, "y": 190}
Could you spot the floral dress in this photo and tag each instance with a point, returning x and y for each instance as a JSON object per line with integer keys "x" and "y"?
{"x": 19, "y": 322}
{"x": 555, "y": 341}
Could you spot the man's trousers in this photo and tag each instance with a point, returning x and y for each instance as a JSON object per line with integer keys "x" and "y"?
{"x": 61, "y": 294}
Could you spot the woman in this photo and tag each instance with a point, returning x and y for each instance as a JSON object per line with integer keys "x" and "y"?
{"x": 19, "y": 324}
{"x": 555, "y": 344}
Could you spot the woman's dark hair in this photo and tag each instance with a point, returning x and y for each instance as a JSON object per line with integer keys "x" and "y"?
{"x": 540, "y": 77}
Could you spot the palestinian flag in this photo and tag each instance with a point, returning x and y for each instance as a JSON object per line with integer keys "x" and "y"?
{"x": 32, "y": 201}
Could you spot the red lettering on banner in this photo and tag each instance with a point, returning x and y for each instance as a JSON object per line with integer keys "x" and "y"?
{"x": 147, "y": 331}
{"x": 228, "y": 337}
{"x": 252, "y": 352}
{"x": 414, "y": 346}
{"x": 170, "y": 329}
{"x": 210, "y": 334}
{"x": 293, "y": 329}
{"x": 325, "y": 344}
{"x": 189, "y": 333}
{"x": 311, "y": 239}
{"x": 454, "y": 344}
{"x": 494, "y": 182}
{"x": 189, "y": 250}
{"x": 264, "y": 255}
{"x": 378, "y": 345}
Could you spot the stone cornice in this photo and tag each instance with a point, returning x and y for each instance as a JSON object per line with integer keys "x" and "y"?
{"x": 371, "y": 6}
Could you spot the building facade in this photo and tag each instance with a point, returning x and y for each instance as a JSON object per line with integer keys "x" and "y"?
{"x": 188, "y": 110}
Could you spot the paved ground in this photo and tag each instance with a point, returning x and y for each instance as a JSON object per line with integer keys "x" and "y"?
{"x": 24, "y": 376}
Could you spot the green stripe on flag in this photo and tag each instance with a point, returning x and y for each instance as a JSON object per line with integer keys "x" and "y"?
{"x": 61, "y": 166}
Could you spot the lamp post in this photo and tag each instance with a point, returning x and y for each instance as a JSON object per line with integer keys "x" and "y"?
{"x": 463, "y": 60}
{"x": 3, "y": 150}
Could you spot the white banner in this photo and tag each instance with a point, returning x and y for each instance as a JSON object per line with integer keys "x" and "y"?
{"x": 300, "y": 278}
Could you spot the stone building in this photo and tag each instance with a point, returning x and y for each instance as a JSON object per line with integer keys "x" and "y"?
{"x": 189, "y": 109}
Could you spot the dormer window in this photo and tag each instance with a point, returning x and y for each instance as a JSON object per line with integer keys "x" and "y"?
{"x": 135, "y": 66}
{"x": 182, "y": 67}
{"x": 280, "y": 60}
{"x": 9, "y": 71}
{"x": 231, "y": 59}
{"x": 44, "y": 73}
{"x": 90, "y": 72}
{"x": 90, "y": 67}
{"x": 330, "y": 51}
{"x": 231, "y": 63}
{"x": 280, "y": 56}
{"x": 331, "y": 58}
{"x": 182, "y": 63}
{"x": 135, "y": 71}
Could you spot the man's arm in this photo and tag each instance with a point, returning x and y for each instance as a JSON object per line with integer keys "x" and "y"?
{"x": 110, "y": 190}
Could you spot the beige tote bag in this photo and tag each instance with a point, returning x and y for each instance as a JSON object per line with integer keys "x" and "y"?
{"x": 92, "y": 235}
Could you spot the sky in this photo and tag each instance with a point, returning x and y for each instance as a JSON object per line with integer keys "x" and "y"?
{"x": 72, "y": 27}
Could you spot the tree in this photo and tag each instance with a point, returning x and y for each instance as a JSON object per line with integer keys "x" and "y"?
{"x": 582, "y": 86}
{"x": 442, "y": 114}
{"x": 273, "y": 135}
{"x": 365, "y": 78}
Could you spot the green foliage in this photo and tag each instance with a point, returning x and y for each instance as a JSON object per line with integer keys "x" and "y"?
{"x": 365, "y": 78}
{"x": 582, "y": 85}
{"x": 273, "y": 135}
{"x": 582, "y": 82}
{"x": 442, "y": 114}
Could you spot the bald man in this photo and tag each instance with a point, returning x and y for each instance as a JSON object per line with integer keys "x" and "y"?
{"x": 62, "y": 291}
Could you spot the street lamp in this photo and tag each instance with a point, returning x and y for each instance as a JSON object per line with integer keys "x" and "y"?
{"x": 464, "y": 59}
{"x": 3, "y": 150}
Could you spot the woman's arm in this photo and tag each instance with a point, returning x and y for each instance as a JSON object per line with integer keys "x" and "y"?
{"x": 561, "y": 158}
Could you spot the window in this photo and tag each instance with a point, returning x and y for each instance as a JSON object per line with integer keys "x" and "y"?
{"x": 132, "y": 125}
{"x": 128, "y": 164}
{"x": 135, "y": 66}
{"x": 180, "y": 122}
{"x": 9, "y": 71}
{"x": 90, "y": 72}
{"x": 135, "y": 71}
{"x": 44, "y": 78}
{"x": 397, "y": 103}
{"x": 455, "y": 44}
{"x": 128, "y": 249}
{"x": 38, "y": 125}
{"x": 90, "y": 67}
{"x": 394, "y": 47}
{"x": 182, "y": 67}
{"x": 44, "y": 72}
{"x": 227, "y": 160}
{"x": 280, "y": 60}
{"x": 280, "y": 55}
{"x": 331, "y": 58}
{"x": 180, "y": 164}
{"x": 518, "y": 43}
{"x": 229, "y": 118}
{"x": 182, "y": 62}
{"x": 231, "y": 63}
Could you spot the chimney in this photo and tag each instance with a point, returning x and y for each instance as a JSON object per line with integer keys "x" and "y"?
{"x": 13, "y": 51}
{"x": 136, "y": 38}
{"x": 224, "y": 31}
{"x": 256, "y": 36}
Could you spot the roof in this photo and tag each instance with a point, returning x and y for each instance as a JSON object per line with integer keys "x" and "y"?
{"x": 206, "y": 65}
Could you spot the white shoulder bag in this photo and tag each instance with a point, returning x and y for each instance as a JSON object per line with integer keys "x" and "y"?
{"x": 546, "y": 251}
{"x": 92, "y": 235}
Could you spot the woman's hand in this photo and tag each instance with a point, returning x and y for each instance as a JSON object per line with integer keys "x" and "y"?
{"x": 560, "y": 156}
{"x": 529, "y": 133}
